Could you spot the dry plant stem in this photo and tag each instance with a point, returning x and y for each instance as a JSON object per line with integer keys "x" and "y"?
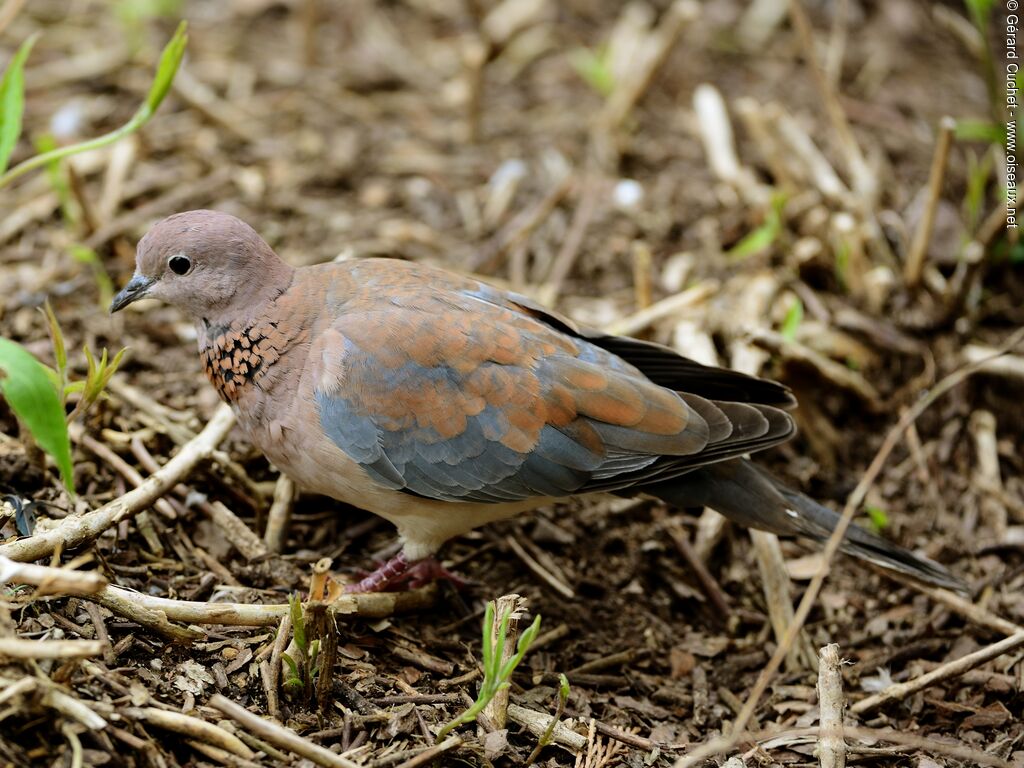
{"x": 119, "y": 601}
{"x": 280, "y": 643}
{"x": 221, "y": 756}
{"x": 9, "y": 10}
{"x": 1011, "y": 366}
{"x": 593, "y": 188}
{"x": 72, "y": 708}
{"x": 624, "y": 98}
{"x": 370, "y": 605}
{"x": 707, "y": 581}
{"x": 123, "y": 468}
{"x": 75, "y": 531}
{"x": 779, "y": 598}
{"x": 238, "y": 533}
{"x": 970, "y": 611}
{"x": 863, "y": 180}
{"x": 987, "y": 479}
{"x": 62, "y": 581}
{"x": 723, "y": 743}
{"x": 278, "y": 735}
{"x": 180, "y": 426}
{"x": 516, "y": 232}
{"x": 926, "y": 744}
{"x": 760, "y": 21}
{"x": 122, "y": 158}
{"x": 671, "y": 305}
{"x": 539, "y": 570}
{"x": 285, "y": 494}
{"x": 538, "y": 722}
{"x": 222, "y": 113}
{"x": 953, "y": 669}
{"x": 474, "y": 58}
{"x": 717, "y": 135}
{"x": 426, "y": 756}
{"x": 512, "y": 606}
{"x": 914, "y": 264}
{"x": 831, "y": 744}
{"x": 834, "y": 372}
{"x": 192, "y": 727}
{"x": 18, "y": 648}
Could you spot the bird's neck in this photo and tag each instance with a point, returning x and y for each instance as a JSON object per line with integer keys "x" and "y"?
{"x": 242, "y": 354}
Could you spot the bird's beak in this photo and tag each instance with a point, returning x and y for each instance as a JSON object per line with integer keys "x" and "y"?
{"x": 136, "y": 289}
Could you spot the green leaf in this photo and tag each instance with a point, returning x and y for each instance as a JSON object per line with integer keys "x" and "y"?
{"x": 980, "y": 12}
{"x": 762, "y": 237}
{"x": 170, "y": 60}
{"x": 563, "y": 688}
{"x": 298, "y": 623}
{"x": 29, "y": 390}
{"x": 980, "y": 130}
{"x": 12, "y": 101}
{"x": 879, "y": 519}
{"x": 794, "y": 316}
{"x": 59, "y": 349}
{"x": 594, "y": 68}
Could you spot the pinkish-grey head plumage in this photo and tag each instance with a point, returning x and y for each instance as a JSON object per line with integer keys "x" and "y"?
{"x": 208, "y": 263}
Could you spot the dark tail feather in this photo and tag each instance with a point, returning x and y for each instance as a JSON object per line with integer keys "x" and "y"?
{"x": 750, "y": 496}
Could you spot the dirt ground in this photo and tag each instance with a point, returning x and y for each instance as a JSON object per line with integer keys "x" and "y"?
{"x": 555, "y": 147}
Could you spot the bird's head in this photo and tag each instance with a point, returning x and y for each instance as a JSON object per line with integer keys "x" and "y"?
{"x": 207, "y": 263}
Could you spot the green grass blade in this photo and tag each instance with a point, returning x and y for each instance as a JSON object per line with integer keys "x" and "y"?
{"x": 170, "y": 60}
{"x": 12, "y": 101}
{"x": 794, "y": 316}
{"x": 29, "y": 390}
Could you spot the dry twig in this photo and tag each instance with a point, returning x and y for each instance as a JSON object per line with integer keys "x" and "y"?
{"x": 75, "y": 531}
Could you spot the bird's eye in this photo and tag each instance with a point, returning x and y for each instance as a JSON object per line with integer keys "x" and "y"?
{"x": 179, "y": 264}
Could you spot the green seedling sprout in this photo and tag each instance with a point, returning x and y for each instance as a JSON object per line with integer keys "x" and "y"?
{"x": 12, "y": 97}
{"x": 879, "y": 518}
{"x": 302, "y": 671}
{"x": 38, "y": 394}
{"x": 497, "y": 676}
{"x": 979, "y": 171}
{"x": 765, "y": 235}
{"x": 548, "y": 736}
{"x": 12, "y": 101}
{"x": 97, "y": 376}
{"x": 594, "y": 67}
{"x": 791, "y": 322}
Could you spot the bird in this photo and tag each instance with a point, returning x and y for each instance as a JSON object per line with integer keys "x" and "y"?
{"x": 441, "y": 403}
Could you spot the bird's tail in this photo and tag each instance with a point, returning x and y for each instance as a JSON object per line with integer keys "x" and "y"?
{"x": 752, "y": 497}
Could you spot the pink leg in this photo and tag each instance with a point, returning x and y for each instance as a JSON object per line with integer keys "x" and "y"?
{"x": 384, "y": 576}
{"x": 398, "y": 569}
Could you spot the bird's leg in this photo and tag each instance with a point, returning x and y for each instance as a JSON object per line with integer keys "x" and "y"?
{"x": 429, "y": 570}
{"x": 388, "y": 573}
{"x": 399, "y": 569}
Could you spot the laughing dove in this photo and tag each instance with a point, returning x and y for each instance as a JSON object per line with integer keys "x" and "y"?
{"x": 441, "y": 403}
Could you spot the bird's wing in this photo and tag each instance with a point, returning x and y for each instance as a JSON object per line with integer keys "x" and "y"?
{"x": 661, "y": 364}
{"x": 437, "y": 390}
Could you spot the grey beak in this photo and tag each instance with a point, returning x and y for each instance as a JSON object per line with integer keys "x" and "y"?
{"x": 136, "y": 289}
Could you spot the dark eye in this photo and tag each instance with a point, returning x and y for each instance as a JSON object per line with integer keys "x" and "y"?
{"x": 179, "y": 264}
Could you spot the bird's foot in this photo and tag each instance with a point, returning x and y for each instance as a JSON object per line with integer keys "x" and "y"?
{"x": 402, "y": 573}
{"x": 429, "y": 570}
